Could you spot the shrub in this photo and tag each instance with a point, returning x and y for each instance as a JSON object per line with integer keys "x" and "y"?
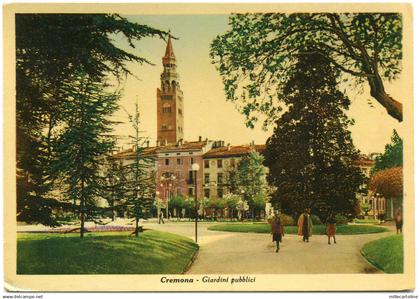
{"x": 341, "y": 219}
{"x": 315, "y": 219}
{"x": 287, "y": 220}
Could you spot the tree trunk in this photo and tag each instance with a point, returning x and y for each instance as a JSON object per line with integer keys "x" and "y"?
{"x": 137, "y": 227}
{"x": 377, "y": 91}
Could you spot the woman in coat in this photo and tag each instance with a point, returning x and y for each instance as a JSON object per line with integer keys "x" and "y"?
{"x": 305, "y": 225}
{"x": 331, "y": 227}
{"x": 277, "y": 231}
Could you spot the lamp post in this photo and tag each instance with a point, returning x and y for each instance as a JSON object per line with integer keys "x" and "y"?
{"x": 195, "y": 167}
{"x": 167, "y": 185}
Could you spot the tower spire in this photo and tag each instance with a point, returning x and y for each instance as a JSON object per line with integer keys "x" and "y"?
{"x": 169, "y": 57}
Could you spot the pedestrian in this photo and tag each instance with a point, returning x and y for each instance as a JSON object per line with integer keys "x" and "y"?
{"x": 305, "y": 225}
{"x": 161, "y": 217}
{"x": 277, "y": 231}
{"x": 331, "y": 227}
{"x": 399, "y": 221}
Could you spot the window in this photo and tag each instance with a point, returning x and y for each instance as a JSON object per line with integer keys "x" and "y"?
{"x": 232, "y": 162}
{"x": 219, "y": 164}
{"x": 207, "y": 178}
{"x": 192, "y": 161}
{"x": 166, "y": 161}
{"x": 190, "y": 177}
{"x": 220, "y": 192}
{"x": 167, "y": 97}
{"x": 206, "y": 164}
{"x": 207, "y": 193}
{"x": 220, "y": 178}
{"x": 166, "y": 109}
{"x": 179, "y": 161}
{"x": 164, "y": 127}
{"x": 190, "y": 191}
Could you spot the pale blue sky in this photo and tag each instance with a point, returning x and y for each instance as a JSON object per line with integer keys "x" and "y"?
{"x": 206, "y": 111}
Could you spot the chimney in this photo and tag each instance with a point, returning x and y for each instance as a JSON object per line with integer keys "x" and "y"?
{"x": 147, "y": 143}
{"x": 199, "y": 138}
{"x": 157, "y": 143}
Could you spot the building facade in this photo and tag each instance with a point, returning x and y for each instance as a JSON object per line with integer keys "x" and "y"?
{"x": 170, "y": 107}
{"x": 218, "y": 163}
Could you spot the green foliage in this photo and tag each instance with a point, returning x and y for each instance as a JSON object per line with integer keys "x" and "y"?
{"x": 315, "y": 219}
{"x": 140, "y": 184}
{"x": 392, "y": 157}
{"x": 255, "y": 57}
{"x": 115, "y": 181}
{"x": 341, "y": 219}
{"x": 311, "y": 153}
{"x": 50, "y": 50}
{"x": 317, "y": 229}
{"x": 387, "y": 254}
{"x": 251, "y": 173}
{"x": 104, "y": 253}
{"x": 365, "y": 207}
{"x": 287, "y": 220}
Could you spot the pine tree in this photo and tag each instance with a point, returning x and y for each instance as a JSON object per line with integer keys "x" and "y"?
{"x": 140, "y": 184}
{"x": 84, "y": 142}
{"x": 392, "y": 156}
{"x": 311, "y": 154}
{"x": 115, "y": 177}
{"x": 50, "y": 49}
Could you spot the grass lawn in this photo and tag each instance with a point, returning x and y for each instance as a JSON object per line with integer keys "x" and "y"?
{"x": 342, "y": 229}
{"x": 386, "y": 254}
{"x": 153, "y": 252}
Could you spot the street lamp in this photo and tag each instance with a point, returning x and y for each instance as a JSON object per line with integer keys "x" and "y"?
{"x": 195, "y": 167}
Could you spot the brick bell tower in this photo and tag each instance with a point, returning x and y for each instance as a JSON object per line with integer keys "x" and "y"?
{"x": 170, "y": 107}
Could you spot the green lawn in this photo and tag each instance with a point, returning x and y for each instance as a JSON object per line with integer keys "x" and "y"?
{"x": 386, "y": 254}
{"x": 103, "y": 253}
{"x": 342, "y": 229}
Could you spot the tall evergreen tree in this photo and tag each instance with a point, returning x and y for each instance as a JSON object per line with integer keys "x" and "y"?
{"x": 50, "y": 48}
{"x": 311, "y": 154}
{"x": 115, "y": 177}
{"x": 140, "y": 185}
{"x": 84, "y": 142}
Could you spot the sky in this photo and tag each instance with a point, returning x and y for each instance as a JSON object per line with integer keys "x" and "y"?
{"x": 207, "y": 113}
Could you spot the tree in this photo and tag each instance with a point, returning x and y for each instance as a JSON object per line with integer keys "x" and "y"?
{"x": 311, "y": 154}
{"x": 140, "y": 185}
{"x": 50, "y": 49}
{"x": 252, "y": 178}
{"x": 388, "y": 182}
{"x": 393, "y": 155}
{"x": 83, "y": 143}
{"x": 255, "y": 57}
{"x": 115, "y": 177}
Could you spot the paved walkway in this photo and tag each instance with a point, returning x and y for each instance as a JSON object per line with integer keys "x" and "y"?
{"x": 231, "y": 253}
{"x": 226, "y": 252}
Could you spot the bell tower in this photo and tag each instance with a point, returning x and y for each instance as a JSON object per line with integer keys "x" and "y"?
{"x": 170, "y": 107}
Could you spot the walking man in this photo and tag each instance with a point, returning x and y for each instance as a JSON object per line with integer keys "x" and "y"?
{"x": 161, "y": 217}
{"x": 305, "y": 225}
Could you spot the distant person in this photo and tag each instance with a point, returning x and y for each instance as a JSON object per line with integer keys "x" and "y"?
{"x": 161, "y": 216}
{"x": 331, "y": 227}
{"x": 399, "y": 221}
{"x": 277, "y": 231}
{"x": 305, "y": 225}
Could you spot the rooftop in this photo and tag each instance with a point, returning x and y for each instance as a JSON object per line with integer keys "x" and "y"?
{"x": 233, "y": 151}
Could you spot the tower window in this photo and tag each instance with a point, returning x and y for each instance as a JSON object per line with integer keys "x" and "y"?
{"x": 167, "y": 97}
{"x": 166, "y": 109}
{"x": 164, "y": 127}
